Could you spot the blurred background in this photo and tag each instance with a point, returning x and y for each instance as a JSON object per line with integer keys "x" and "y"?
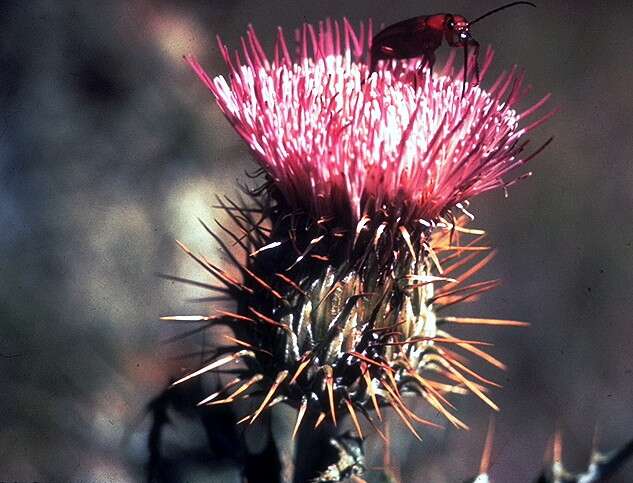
{"x": 110, "y": 148}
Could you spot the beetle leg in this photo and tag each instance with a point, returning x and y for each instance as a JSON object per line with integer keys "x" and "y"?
{"x": 465, "y": 75}
{"x": 430, "y": 58}
{"x": 476, "y": 49}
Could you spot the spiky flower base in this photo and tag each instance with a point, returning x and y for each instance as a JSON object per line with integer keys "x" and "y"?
{"x": 337, "y": 322}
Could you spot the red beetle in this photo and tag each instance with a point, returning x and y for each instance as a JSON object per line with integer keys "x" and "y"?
{"x": 422, "y": 36}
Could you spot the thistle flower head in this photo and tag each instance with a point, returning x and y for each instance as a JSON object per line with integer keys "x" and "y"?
{"x": 339, "y": 141}
{"x": 350, "y": 254}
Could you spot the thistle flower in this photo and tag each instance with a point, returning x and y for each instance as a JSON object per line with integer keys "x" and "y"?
{"x": 339, "y": 142}
{"x": 354, "y": 245}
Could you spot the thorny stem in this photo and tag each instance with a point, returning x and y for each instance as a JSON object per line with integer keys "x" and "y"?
{"x": 312, "y": 450}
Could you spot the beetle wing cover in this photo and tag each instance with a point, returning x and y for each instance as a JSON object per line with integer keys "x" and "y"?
{"x": 400, "y": 30}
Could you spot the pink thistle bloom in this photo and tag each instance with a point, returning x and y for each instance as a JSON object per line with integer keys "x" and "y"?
{"x": 340, "y": 142}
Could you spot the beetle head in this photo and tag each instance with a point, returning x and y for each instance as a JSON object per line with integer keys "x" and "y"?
{"x": 457, "y": 31}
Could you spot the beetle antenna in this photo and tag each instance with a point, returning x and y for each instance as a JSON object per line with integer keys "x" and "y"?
{"x": 476, "y": 56}
{"x": 503, "y": 7}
